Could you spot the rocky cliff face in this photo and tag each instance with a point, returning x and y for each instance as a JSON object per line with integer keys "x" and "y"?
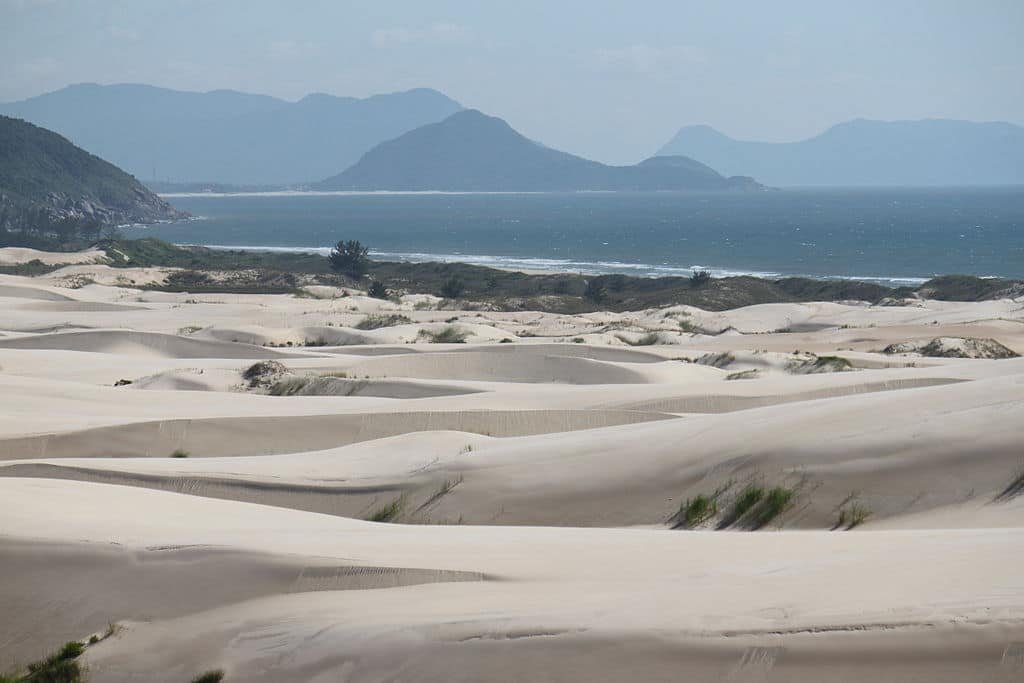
{"x": 46, "y": 181}
{"x": 142, "y": 206}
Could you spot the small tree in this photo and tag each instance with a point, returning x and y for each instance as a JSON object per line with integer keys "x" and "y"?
{"x": 377, "y": 290}
{"x": 452, "y": 287}
{"x": 699, "y": 278}
{"x": 350, "y": 257}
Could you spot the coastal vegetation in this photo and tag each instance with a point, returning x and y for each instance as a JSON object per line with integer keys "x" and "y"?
{"x": 350, "y": 257}
{"x": 375, "y": 322}
{"x": 390, "y": 511}
{"x": 852, "y": 516}
{"x": 205, "y": 270}
{"x": 447, "y": 335}
{"x": 753, "y": 508}
{"x": 60, "y": 667}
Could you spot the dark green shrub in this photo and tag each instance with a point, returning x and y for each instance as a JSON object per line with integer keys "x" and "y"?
{"x": 699, "y": 278}
{"x": 377, "y": 290}
{"x": 213, "y": 676}
{"x": 448, "y": 335}
{"x": 350, "y": 257}
{"x": 452, "y": 288}
{"x": 57, "y": 668}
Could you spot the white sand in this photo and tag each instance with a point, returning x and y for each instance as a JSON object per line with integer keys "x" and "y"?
{"x": 14, "y": 255}
{"x": 534, "y": 484}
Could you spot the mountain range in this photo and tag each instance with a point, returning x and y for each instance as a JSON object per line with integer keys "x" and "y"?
{"x": 470, "y": 151}
{"x": 869, "y": 153}
{"x": 47, "y": 182}
{"x": 226, "y": 136}
{"x": 397, "y": 140}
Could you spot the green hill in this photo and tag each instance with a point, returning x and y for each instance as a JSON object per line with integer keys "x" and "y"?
{"x": 470, "y": 151}
{"x": 52, "y": 190}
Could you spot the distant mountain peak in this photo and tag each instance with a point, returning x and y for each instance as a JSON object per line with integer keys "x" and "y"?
{"x": 704, "y": 129}
{"x": 478, "y": 119}
{"x": 863, "y": 152}
{"x": 226, "y": 136}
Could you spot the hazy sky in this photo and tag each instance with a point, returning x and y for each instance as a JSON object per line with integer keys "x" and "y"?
{"x": 609, "y": 80}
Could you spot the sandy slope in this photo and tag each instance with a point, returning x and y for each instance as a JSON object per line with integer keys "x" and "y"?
{"x": 533, "y": 489}
{"x": 15, "y": 255}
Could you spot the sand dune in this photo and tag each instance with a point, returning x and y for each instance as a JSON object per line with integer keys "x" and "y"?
{"x": 581, "y": 479}
{"x": 503, "y": 367}
{"x": 727, "y": 403}
{"x": 541, "y": 492}
{"x": 304, "y": 336}
{"x": 15, "y": 255}
{"x": 130, "y": 342}
{"x": 31, "y": 293}
{"x": 237, "y": 436}
{"x": 536, "y": 587}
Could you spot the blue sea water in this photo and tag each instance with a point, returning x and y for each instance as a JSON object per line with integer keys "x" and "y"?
{"x": 896, "y": 235}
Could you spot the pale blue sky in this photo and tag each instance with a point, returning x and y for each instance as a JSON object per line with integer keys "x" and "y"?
{"x": 608, "y": 80}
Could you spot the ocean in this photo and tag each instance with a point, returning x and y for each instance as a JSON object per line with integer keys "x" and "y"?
{"x": 899, "y": 236}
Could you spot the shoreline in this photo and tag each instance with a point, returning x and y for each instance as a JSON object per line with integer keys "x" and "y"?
{"x": 542, "y": 266}
{"x": 510, "y": 285}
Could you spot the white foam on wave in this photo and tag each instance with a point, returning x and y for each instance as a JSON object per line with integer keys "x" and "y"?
{"x": 332, "y": 193}
{"x": 577, "y": 266}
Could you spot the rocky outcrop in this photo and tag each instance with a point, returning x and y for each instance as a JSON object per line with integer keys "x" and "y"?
{"x": 50, "y": 187}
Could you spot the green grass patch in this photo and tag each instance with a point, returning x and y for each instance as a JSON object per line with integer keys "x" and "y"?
{"x": 443, "y": 490}
{"x": 29, "y": 269}
{"x": 649, "y": 339}
{"x": 375, "y": 322}
{"x": 743, "y": 374}
{"x": 832, "y": 364}
{"x": 448, "y": 335}
{"x": 389, "y": 512}
{"x": 59, "y": 667}
{"x": 697, "y": 510}
{"x": 748, "y": 499}
{"x": 290, "y": 386}
{"x": 777, "y": 501}
{"x": 212, "y": 676}
{"x": 180, "y": 453}
{"x": 853, "y": 516}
